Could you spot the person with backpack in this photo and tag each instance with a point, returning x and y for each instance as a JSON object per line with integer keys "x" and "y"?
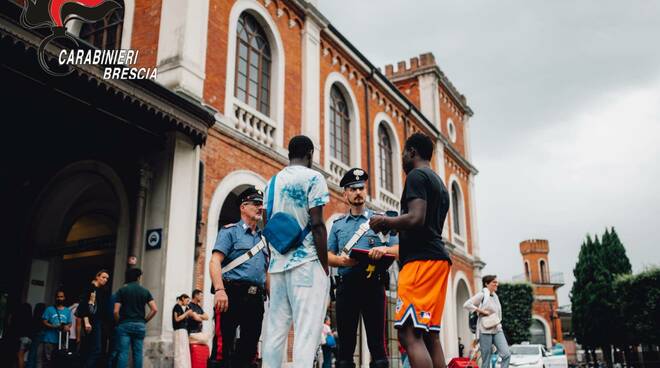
{"x": 328, "y": 343}
{"x": 298, "y": 269}
{"x": 489, "y": 331}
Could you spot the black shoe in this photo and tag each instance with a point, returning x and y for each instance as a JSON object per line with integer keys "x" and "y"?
{"x": 379, "y": 364}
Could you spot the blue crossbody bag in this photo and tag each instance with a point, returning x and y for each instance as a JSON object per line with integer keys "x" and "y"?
{"x": 282, "y": 230}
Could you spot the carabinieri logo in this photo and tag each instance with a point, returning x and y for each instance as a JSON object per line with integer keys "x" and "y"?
{"x": 55, "y": 14}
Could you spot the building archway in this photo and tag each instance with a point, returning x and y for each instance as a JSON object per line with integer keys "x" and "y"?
{"x": 540, "y": 331}
{"x": 462, "y": 315}
{"x": 79, "y": 226}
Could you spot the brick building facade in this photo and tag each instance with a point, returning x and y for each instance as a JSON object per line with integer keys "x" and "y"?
{"x": 268, "y": 70}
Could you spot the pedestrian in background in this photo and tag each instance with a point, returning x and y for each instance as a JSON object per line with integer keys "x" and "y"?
{"x": 36, "y": 337}
{"x": 195, "y": 334}
{"x": 180, "y": 314}
{"x": 21, "y": 325}
{"x": 489, "y": 325}
{"x": 92, "y": 311}
{"x": 129, "y": 308}
{"x": 57, "y": 322}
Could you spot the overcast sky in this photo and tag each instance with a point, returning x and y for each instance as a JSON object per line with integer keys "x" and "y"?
{"x": 566, "y": 131}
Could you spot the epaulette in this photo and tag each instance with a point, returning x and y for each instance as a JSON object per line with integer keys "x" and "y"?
{"x": 229, "y": 225}
{"x": 339, "y": 218}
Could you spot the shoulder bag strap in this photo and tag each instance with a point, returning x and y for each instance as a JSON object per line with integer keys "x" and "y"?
{"x": 271, "y": 197}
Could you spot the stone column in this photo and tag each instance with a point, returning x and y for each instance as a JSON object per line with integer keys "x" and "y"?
{"x": 429, "y": 97}
{"x": 182, "y": 45}
{"x": 168, "y": 271}
{"x": 135, "y": 254}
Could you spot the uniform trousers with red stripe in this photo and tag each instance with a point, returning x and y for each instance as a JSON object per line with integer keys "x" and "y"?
{"x": 357, "y": 295}
{"x": 246, "y": 310}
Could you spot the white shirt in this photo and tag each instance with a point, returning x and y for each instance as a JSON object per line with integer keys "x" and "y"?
{"x": 297, "y": 190}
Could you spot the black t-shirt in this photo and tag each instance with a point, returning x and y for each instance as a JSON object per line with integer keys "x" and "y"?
{"x": 133, "y": 299}
{"x": 195, "y": 326}
{"x": 101, "y": 310}
{"x": 424, "y": 243}
{"x": 179, "y": 311}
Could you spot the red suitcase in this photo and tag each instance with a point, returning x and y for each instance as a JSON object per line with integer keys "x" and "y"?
{"x": 199, "y": 355}
{"x": 462, "y": 363}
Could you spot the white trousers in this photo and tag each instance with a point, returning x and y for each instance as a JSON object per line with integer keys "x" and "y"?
{"x": 181, "y": 349}
{"x": 299, "y": 295}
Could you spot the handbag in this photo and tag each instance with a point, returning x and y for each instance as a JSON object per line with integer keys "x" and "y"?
{"x": 282, "y": 230}
{"x": 490, "y": 321}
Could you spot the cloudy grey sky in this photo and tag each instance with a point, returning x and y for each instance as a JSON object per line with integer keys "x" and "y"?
{"x": 566, "y": 97}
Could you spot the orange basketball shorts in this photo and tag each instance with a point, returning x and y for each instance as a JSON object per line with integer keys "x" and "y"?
{"x": 421, "y": 294}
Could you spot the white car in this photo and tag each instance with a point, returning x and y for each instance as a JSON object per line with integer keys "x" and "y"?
{"x": 534, "y": 356}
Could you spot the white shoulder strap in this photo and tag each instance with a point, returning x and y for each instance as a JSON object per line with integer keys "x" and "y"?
{"x": 364, "y": 227}
{"x": 246, "y": 256}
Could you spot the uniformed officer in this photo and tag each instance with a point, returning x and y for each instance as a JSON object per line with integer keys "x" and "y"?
{"x": 358, "y": 291}
{"x": 240, "y": 292}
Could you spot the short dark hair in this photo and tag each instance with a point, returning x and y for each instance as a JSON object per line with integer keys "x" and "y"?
{"x": 196, "y": 292}
{"x": 300, "y": 146}
{"x": 488, "y": 279}
{"x": 183, "y": 296}
{"x": 422, "y": 144}
{"x": 133, "y": 274}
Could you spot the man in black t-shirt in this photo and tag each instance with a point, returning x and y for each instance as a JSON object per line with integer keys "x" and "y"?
{"x": 196, "y": 318}
{"x": 426, "y": 265}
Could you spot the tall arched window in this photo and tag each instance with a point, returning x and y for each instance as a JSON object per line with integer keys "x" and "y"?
{"x": 544, "y": 277}
{"x": 106, "y": 33}
{"x": 456, "y": 208}
{"x": 527, "y": 271}
{"x": 385, "y": 159}
{"x": 339, "y": 126}
{"x": 253, "y": 61}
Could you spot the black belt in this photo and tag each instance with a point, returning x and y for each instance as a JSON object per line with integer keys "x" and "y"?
{"x": 249, "y": 287}
{"x": 361, "y": 278}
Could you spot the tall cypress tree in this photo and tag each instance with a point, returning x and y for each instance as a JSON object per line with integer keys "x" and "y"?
{"x": 596, "y": 319}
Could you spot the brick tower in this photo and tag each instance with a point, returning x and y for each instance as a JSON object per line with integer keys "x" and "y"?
{"x": 546, "y": 324}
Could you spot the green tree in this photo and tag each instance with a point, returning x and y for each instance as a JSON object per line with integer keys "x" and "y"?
{"x": 639, "y": 305}
{"x": 596, "y": 319}
{"x": 516, "y": 300}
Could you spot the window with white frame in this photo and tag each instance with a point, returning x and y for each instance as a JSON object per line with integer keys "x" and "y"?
{"x": 339, "y": 126}
{"x": 253, "y": 65}
{"x": 386, "y": 174}
{"x": 451, "y": 130}
{"x": 457, "y": 211}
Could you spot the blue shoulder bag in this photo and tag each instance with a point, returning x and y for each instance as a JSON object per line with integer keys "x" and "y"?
{"x": 282, "y": 230}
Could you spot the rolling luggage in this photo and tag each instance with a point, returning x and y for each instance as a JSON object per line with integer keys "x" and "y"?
{"x": 63, "y": 357}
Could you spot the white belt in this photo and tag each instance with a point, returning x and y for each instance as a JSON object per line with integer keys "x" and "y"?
{"x": 245, "y": 257}
{"x": 364, "y": 227}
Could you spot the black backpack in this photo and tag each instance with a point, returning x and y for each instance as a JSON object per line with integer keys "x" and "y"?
{"x": 473, "y": 319}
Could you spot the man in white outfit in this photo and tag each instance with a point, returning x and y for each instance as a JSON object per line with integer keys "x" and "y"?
{"x": 299, "y": 282}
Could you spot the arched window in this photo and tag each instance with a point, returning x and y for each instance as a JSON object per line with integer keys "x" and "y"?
{"x": 544, "y": 278}
{"x": 253, "y": 62}
{"x": 385, "y": 159}
{"x": 339, "y": 126}
{"x": 456, "y": 208}
{"x": 106, "y": 33}
{"x": 527, "y": 271}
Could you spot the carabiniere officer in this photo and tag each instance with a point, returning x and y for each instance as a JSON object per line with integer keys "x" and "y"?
{"x": 358, "y": 291}
{"x": 240, "y": 292}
